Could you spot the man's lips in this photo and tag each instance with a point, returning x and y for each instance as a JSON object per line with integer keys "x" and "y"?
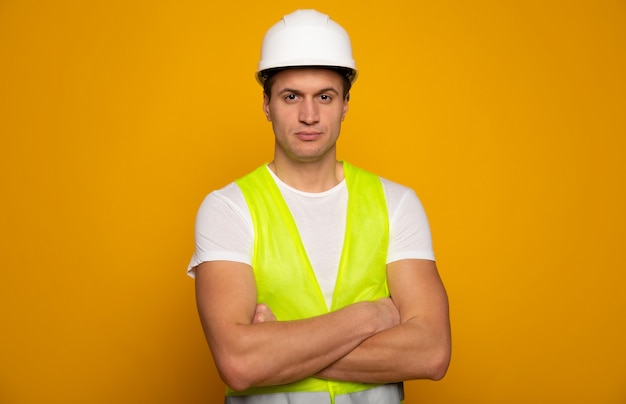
{"x": 308, "y": 135}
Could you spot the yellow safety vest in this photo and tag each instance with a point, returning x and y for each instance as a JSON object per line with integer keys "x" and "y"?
{"x": 286, "y": 282}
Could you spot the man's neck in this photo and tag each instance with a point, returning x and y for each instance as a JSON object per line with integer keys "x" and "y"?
{"x": 318, "y": 176}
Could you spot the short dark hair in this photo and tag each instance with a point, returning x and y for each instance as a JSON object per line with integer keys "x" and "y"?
{"x": 346, "y": 75}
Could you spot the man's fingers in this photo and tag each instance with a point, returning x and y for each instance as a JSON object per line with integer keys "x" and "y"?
{"x": 262, "y": 314}
{"x": 258, "y": 318}
{"x": 392, "y": 311}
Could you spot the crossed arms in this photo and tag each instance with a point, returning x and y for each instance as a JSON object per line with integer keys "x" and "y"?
{"x": 388, "y": 340}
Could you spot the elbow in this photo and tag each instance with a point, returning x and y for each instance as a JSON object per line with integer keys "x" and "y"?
{"x": 438, "y": 364}
{"x": 438, "y": 371}
{"x": 235, "y": 384}
{"x": 235, "y": 374}
{"x": 429, "y": 365}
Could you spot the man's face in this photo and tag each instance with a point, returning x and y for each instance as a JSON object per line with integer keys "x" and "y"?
{"x": 306, "y": 110}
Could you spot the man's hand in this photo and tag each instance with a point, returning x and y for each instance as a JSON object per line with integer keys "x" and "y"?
{"x": 389, "y": 311}
{"x": 262, "y": 313}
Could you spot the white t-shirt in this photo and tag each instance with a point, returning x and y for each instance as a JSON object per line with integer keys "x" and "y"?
{"x": 224, "y": 230}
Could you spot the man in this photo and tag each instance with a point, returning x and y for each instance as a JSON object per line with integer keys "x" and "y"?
{"x": 316, "y": 280}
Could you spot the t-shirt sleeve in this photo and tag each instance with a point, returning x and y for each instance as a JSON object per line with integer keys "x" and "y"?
{"x": 223, "y": 229}
{"x": 409, "y": 230}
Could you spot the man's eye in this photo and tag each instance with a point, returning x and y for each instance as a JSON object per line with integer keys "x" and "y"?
{"x": 290, "y": 97}
{"x": 325, "y": 97}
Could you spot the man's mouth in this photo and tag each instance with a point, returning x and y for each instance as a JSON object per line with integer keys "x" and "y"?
{"x": 308, "y": 135}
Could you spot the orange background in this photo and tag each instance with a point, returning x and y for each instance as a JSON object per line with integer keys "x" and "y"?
{"x": 117, "y": 117}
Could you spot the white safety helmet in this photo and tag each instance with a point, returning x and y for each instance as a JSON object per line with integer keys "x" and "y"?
{"x": 306, "y": 38}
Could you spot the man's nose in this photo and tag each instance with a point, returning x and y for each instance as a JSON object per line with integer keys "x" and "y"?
{"x": 309, "y": 112}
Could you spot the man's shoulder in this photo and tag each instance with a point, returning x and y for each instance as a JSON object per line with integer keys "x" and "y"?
{"x": 227, "y": 196}
{"x": 395, "y": 187}
{"x": 394, "y": 191}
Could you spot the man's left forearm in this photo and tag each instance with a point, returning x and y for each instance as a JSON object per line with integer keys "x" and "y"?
{"x": 407, "y": 351}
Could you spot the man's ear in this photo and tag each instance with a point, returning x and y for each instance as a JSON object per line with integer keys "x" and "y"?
{"x": 345, "y": 108}
{"x": 266, "y": 107}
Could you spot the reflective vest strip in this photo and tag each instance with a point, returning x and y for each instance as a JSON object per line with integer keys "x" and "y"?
{"x": 386, "y": 394}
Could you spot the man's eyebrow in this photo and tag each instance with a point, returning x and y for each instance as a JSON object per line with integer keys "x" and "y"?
{"x": 289, "y": 90}
{"x": 329, "y": 90}
{"x": 298, "y": 92}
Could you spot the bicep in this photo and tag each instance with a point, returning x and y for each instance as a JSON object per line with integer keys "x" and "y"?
{"x": 226, "y": 298}
{"x": 418, "y": 292}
